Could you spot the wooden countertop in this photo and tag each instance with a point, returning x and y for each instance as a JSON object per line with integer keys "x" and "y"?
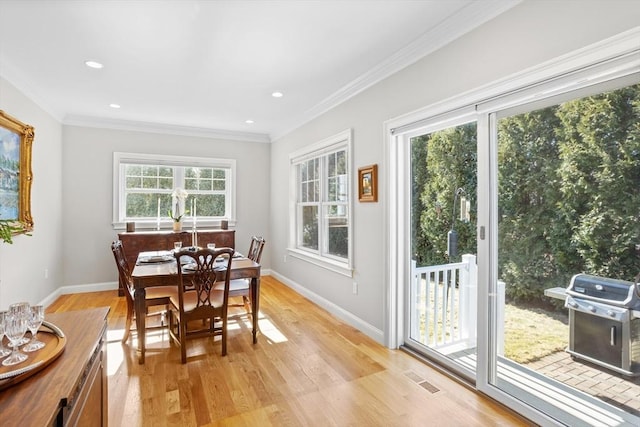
{"x": 36, "y": 400}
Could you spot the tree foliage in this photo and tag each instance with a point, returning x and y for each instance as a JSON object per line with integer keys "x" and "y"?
{"x": 443, "y": 162}
{"x": 569, "y": 192}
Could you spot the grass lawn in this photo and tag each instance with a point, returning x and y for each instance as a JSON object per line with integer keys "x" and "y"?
{"x": 532, "y": 333}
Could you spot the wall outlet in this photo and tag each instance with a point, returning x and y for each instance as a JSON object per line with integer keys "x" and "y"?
{"x": 284, "y": 258}
{"x": 355, "y": 288}
{"x": 46, "y": 273}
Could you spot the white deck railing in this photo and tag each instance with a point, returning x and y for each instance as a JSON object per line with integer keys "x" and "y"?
{"x": 443, "y": 304}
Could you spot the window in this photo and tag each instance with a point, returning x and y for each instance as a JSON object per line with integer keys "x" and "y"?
{"x": 144, "y": 186}
{"x": 321, "y": 225}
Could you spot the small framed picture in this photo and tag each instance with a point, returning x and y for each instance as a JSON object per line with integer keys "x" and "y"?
{"x": 368, "y": 183}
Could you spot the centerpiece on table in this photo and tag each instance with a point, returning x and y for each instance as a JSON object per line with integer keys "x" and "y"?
{"x": 178, "y": 198}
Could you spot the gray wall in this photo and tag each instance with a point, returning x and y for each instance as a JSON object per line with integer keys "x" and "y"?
{"x": 23, "y": 264}
{"x": 87, "y": 159}
{"x": 527, "y": 35}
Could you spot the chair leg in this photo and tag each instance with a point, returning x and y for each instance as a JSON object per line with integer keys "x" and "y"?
{"x": 247, "y": 304}
{"x": 127, "y": 326}
{"x": 183, "y": 340}
{"x": 224, "y": 335}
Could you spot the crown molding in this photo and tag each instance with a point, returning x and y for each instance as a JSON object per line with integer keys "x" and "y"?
{"x": 460, "y": 22}
{"x": 96, "y": 122}
{"x": 14, "y": 77}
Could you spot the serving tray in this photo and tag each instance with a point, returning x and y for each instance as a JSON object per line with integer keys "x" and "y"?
{"x": 55, "y": 342}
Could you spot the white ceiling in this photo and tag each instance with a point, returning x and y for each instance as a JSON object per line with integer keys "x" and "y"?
{"x": 205, "y": 67}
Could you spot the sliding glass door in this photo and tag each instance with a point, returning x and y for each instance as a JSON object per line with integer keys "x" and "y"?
{"x": 567, "y": 183}
{"x": 496, "y": 200}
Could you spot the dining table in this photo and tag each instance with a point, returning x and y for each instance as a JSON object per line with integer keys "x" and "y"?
{"x": 159, "y": 268}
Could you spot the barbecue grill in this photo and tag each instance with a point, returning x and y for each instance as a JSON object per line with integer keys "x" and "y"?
{"x": 604, "y": 322}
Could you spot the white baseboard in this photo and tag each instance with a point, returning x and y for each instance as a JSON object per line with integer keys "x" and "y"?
{"x": 364, "y": 327}
{"x": 78, "y": 289}
{"x": 93, "y": 287}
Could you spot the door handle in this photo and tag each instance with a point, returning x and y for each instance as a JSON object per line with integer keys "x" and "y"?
{"x": 612, "y": 339}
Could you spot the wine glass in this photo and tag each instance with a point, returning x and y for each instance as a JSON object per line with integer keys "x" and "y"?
{"x": 21, "y": 308}
{"x": 3, "y": 350}
{"x": 15, "y": 328}
{"x": 34, "y": 320}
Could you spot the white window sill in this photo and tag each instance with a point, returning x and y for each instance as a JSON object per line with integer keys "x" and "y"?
{"x": 326, "y": 263}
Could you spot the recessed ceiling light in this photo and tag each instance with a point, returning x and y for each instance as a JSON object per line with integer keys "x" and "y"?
{"x": 114, "y": 106}
{"x": 277, "y": 94}
{"x": 93, "y": 64}
{"x": 248, "y": 121}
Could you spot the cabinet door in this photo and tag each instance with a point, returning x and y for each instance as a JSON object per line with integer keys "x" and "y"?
{"x": 88, "y": 409}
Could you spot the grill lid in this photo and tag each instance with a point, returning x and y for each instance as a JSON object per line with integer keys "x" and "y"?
{"x": 611, "y": 291}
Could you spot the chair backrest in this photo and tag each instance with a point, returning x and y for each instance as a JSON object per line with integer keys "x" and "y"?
{"x": 255, "y": 249}
{"x": 199, "y": 271}
{"x": 124, "y": 275}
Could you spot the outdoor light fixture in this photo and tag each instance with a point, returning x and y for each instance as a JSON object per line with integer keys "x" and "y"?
{"x": 452, "y": 235}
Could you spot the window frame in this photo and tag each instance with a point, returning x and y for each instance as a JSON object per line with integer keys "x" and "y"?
{"x": 119, "y": 192}
{"x": 320, "y": 257}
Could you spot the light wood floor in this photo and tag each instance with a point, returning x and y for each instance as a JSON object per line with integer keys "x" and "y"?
{"x": 308, "y": 369}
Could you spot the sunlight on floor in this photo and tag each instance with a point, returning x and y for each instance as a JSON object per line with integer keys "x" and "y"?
{"x": 115, "y": 354}
{"x": 271, "y": 332}
{"x": 158, "y": 338}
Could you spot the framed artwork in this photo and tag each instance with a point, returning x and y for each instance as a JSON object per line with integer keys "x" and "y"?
{"x": 16, "y": 139}
{"x": 368, "y": 183}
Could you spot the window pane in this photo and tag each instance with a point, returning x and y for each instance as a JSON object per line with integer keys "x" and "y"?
{"x": 133, "y": 182}
{"x": 336, "y": 177}
{"x": 311, "y": 196}
{"x": 145, "y": 205}
{"x": 331, "y": 159}
{"x": 218, "y": 185}
{"x": 165, "y": 171}
{"x": 310, "y": 227}
{"x": 338, "y": 231}
{"x": 150, "y": 182}
{"x": 166, "y": 183}
{"x": 207, "y": 205}
{"x": 150, "y": 171}
{"x": 341, "y": 162}
{"x": 342, "y": 186}
{"x": 333, "y": 190}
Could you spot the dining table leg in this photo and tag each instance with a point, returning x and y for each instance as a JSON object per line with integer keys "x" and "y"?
{"x": 255, "y": 306}
{"x": 140, "y": 309}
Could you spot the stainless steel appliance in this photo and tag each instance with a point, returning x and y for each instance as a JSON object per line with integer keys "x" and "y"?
{"x": 604, "y": 322}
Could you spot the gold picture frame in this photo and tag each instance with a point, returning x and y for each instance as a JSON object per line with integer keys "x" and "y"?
{"x": 368, "y": 183}
{"x": 16, "y": 140}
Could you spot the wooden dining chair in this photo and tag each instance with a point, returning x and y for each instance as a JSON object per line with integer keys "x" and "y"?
{"x": 241, "y": 287}
{"x": 201, "y": 296}
{"x": 155, "y": 295}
